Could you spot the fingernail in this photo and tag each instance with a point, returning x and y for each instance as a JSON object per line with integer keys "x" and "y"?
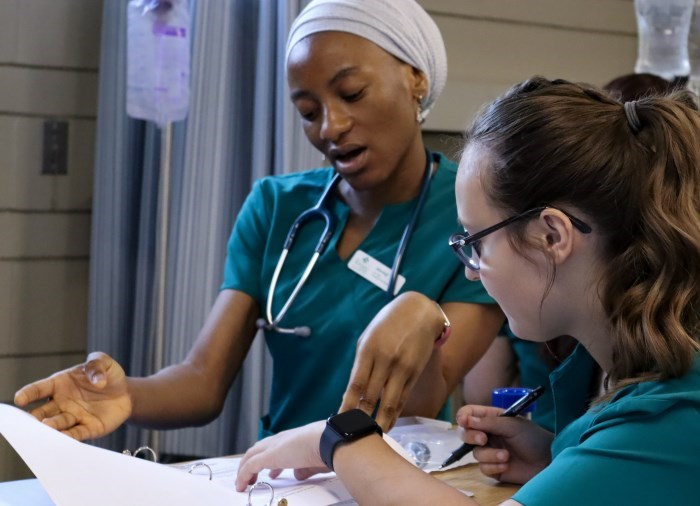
{"x": 96, "y": 378}
{"x": 501, "y": 455}
{"x": 481, "y": 439}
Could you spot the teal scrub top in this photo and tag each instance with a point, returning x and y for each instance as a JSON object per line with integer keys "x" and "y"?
{"x": 574, "y": 398}
{"x": 310, "y": 374}
{"x": 639, "y": 448}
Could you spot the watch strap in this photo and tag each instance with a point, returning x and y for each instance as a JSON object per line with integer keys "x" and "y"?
{"x": 331, "y": 438}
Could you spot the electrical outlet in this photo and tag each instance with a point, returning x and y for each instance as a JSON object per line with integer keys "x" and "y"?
{"x": 55, "y": 151}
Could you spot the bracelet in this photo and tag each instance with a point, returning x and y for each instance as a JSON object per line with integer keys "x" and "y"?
{"x": 446, "y": 329}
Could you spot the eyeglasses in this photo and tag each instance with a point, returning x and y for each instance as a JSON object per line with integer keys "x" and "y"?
{"x": 470, "y": 258}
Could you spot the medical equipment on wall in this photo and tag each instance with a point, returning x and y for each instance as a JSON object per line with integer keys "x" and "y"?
{"x": 320, "y": 211}
{"x": 662, "y": 27}
{"x": 158, "y": 60}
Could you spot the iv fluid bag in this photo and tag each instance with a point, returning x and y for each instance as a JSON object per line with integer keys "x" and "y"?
{"x": 662, "y": 27}
{"x": 158, "y": 60}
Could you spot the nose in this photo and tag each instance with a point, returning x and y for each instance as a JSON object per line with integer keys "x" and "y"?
{"x": 471, "y": 275}
{"x": 336, "y": 122}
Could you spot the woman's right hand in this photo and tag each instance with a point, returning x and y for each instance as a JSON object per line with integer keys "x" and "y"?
{"x": 86, "y": 401}
{"x": 509, "y": 449}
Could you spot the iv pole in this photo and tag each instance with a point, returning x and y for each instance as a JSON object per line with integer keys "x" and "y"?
{"x": 166, "y": 135}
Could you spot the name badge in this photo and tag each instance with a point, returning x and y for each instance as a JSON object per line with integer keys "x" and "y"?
{"x": 374, "y": 271}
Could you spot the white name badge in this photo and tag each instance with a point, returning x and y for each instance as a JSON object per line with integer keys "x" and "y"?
{"x": 374, "y": 271}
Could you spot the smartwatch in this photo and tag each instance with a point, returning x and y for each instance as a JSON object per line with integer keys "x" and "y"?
{"x": 343, "y": 428}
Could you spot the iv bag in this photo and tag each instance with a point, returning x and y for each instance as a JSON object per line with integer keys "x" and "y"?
{"x": 158, "y": 60}
{"x": 662, "y": 27}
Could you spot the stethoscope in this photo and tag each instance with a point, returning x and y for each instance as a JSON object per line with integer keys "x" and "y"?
{"x": 320, "y": 212}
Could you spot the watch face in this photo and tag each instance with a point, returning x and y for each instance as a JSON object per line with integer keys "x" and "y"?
{"x": 353, "y": 422}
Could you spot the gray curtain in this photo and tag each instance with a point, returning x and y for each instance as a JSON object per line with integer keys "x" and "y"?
{"x": 240, "y": 127}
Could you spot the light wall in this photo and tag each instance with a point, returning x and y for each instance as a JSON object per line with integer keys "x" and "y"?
{"x": 493, "y": 44}
{"x": 49, "y": 54}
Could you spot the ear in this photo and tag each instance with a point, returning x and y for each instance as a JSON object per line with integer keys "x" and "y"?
{"x": 419, "y": 83}
{"x": 558, "y": 234}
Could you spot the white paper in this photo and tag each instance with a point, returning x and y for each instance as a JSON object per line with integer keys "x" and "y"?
{"x": 74, "y": 473}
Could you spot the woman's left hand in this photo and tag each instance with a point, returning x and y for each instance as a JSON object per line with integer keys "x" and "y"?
{"x": 296, "y": 449}
{"x": 391, "y": 354}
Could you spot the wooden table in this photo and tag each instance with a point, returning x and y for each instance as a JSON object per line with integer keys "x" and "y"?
{"x": 487, "y": 491}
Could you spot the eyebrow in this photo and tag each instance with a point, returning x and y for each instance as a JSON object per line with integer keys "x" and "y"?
{"x": 341, "y": 74}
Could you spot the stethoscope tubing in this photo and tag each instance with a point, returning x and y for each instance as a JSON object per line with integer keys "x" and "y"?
{"x": 320, "y": 211}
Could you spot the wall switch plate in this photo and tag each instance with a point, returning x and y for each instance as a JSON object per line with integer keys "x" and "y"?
{"x": 55, "y": 150}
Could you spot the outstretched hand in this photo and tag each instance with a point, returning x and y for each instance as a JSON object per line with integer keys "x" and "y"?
{"x": 86, "y": 401}
{"x": 509, "y": 449}
{"x": 391, "y": 354}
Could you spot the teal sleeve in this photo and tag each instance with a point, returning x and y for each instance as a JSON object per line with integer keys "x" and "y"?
{"x": 641, "y": 461}
{"x": 460, "y": 289}
{"x": 246, "y": 246}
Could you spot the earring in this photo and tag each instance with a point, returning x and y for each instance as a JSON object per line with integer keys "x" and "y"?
{"x": 419, "y": 112}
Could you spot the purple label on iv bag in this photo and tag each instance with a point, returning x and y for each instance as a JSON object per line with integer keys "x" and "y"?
{"x": 169, "y": 31}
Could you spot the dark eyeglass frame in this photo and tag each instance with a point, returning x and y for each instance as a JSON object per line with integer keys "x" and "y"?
{"x": 459, "y": 242}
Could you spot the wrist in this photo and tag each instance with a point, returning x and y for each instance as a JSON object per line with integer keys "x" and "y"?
{"x": 345, "y": 428}
{"x": 445, "y": 330}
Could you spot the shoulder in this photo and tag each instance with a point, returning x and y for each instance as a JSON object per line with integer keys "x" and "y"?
{"x": 651, "y": 398}
{"x": 289, "y": 191}
{"x": 295, "y": 181}
{"x": 649, "y": 406}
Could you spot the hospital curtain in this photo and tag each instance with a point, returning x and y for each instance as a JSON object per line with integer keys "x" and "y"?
{"x": 240, "y": 127}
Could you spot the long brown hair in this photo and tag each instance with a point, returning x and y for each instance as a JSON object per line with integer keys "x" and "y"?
{"x": 560, "y": 143}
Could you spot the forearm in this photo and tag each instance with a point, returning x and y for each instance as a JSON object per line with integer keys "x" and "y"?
{"x": 193, "y": 392}
{"x": 497, "y": 368}
{"x": 375, "y": 474}
{"x": 431, "y": 390}
{"x": 474, "y": 327}
{"x": 172, "y": 398}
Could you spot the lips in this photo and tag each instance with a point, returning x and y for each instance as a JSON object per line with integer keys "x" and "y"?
{"x": 348, "y": 159}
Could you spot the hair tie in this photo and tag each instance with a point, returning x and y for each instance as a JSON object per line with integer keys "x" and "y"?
{"x": 632, "y": 117}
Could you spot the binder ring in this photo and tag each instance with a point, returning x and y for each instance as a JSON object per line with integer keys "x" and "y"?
{"x": 262, "y": 484}
{"x": 201, "y": 464}
{"x": 142, "y": 449}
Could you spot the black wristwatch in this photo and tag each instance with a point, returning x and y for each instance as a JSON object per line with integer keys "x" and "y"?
{"x": 343, "y": 428}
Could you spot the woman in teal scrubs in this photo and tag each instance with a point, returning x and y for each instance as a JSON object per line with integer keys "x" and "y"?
{"x": 362, "y": 75}
{"x": 583, "y": 217}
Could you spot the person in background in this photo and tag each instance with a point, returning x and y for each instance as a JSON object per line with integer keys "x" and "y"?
{"x": 629, "y": 87}
{"x": 362, "y": 75}
{"x": 511, "y": 361}
{"x": 581, "y": 218}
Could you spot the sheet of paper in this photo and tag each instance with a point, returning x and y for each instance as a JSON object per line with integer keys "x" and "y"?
{"x": 77, "y": 473}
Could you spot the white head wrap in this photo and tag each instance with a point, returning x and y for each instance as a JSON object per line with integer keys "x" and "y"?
{"x": 400, "y": 27}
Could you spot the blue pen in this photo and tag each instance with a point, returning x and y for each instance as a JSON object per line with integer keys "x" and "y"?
{"x": 513, "y": 410}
